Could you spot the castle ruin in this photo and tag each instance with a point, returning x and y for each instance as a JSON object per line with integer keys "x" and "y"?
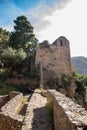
{"x": 54, "y": 58}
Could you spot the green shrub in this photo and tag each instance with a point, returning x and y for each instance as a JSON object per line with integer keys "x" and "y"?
{"x": 3, "y": 74}
{"x": 13, "y": 59}
{"x": 7, "y": 88}
{"x": 33, "y": 75}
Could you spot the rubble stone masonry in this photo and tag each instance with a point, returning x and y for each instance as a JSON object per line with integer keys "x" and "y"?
{"x": 55, "y": 57}
{"x": 9, "y": 119}
{"x": 67, "y": 114}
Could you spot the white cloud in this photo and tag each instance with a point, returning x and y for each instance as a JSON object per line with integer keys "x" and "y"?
{"x": 8, "y": 27}
{"x": 39, "y": 15}
{"x": 72, "y": 23}
{"x": 54, "y": 21}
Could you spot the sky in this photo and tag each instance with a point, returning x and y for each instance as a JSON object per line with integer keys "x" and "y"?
{"x": 50, "y": 19}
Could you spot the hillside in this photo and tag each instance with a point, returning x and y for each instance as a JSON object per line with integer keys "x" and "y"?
{"x": 80, "y": 64}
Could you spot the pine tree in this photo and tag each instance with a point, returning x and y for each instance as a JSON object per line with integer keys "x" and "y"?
{"x": 22, "y": 36}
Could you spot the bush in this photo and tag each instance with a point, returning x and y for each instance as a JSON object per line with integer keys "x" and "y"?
{"x": 52, "y": 83}
{"x": 3, "y": 74}
{"x": 12, "y": 59}
{"x": 7, "y": 88}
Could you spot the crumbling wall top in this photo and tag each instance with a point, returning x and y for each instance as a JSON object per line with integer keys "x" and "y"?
{"x": 61, "y": 41}
{"x": 58, "y": 42}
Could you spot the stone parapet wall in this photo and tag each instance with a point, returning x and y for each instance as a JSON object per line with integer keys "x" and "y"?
{"x": 13, "y": 105}
{"x": 9, "y": 118}
{"x": 5, "y": 98}
{"x": 67, "y": 114}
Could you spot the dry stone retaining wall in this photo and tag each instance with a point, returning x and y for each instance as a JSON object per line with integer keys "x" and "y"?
{"x": 13, "y": 105}
{"x": 67, "y": 114}
{"x": 9, "y": 120}
{"x": 5, "y": 98}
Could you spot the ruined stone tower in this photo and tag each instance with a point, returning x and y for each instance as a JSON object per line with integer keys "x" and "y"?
{"x": 55, "y": 58}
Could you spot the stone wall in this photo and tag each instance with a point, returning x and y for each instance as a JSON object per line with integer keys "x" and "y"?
{"x": 13, "y": 105}
{"x": 5, "y": 98}
{"x": 9, "y": 118}
{"x": 55, "y": 58}
{"x": 10, "y": 122}
{"x": 67, "y": 114}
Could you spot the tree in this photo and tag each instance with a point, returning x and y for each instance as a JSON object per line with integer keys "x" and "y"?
{"x": 4, "y": 38}
{"x": 12, "y": 59}
{"x": 22, "y": 36}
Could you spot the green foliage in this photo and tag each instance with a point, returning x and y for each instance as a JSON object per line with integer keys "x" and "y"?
{"x": 23, "y": 36}
{"x": 65, "y": 81}
{"x": 33, "y": 75}
{"x": 49, "y": 106}
{"x": 80, "y": 80}
{"x": 7, "y": 88}
{"x": 4, "y": 39}
{"x": 62, "y": 81}
{"x": 3, "y": 74}
{"x": 52, "y": 83}
{"x": 12, "y": 59}
{"x": 50, "y": 113}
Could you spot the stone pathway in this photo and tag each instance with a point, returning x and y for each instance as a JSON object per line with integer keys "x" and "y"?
{"x": 37, "y": 116}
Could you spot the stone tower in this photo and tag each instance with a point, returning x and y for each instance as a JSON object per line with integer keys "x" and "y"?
{"x": 55, "y": 58}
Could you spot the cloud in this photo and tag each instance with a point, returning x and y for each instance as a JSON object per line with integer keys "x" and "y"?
{"x": 8, "y": 27}
{"x": 39, "y": 26}
{"x": 38, "y": 16}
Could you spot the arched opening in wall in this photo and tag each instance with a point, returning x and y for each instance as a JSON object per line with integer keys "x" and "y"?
{"x": 61, "y": 43}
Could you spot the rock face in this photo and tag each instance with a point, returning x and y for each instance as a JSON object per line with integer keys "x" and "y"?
{"x": 55, "y": 58}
